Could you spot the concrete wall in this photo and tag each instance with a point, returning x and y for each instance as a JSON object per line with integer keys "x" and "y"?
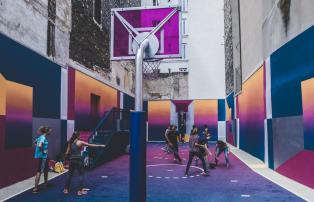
{"x": 167, "y": 86}
{"x": 62, "y": 31}
{"x": 275, "y": 22}
{"x": 19, "y": 18}
{"x": 206, "y": 49}
{"x": 276, "y": 31}
{"x": 228, "y": 47}
{"x": 251, "y": 35}
{"x": 20, "y": 26}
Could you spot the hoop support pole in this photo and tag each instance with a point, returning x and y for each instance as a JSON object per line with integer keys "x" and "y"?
{"x": 139, "y": 58}
{"x": 138, "y": 133}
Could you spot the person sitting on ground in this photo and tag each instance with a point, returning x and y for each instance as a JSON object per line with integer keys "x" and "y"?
{"x": 73, "y": 152}
{"x": 222, "y": 147}
{"x": 172, "y": 138}
{"x": 194, "y": 150}
{"x": 41, "y": 154}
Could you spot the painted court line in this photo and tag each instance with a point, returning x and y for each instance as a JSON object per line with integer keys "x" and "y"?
{"x": 27, "y": 187}
{"x": 260, "y": 168}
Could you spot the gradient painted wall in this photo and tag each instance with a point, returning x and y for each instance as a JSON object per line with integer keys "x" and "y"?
{"x": 19, "y": 114}
{"x": 308, "y": 112}
{"x": 251, "y": 112}
{"x": 206, "y": 113}
{"x": 230, "y": 121}
{"x": 158, "y": 119}
{"x": 32, "y": 98}
{"x": 16, "y": 104}
{"x": 292, "y": 73}
{"x": 229, "y": 135}
{"x": 84, "y": 87}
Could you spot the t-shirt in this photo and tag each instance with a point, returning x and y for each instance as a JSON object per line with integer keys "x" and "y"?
{"x": 173, "y": 135}
{"x": 41, "y": 153}
{"x": 193, "y": 139}
{"x": 202, "y": 139}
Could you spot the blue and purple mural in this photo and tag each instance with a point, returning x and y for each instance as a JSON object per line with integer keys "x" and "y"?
{"x": 30, "y": 96}
{"x": 251, "y": 112}
{"x": 291, "y": 145}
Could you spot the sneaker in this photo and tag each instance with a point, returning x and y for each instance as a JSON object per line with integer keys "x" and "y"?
{"x": 35, "y": 191}
{"x": 227, "y": 165}
{"x": 82, "y": 192}
{"x": 205, "y": 173}
{"x": 186, "y": 175}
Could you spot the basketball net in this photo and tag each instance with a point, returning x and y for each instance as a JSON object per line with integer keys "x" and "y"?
{"x": 150, "y": 67}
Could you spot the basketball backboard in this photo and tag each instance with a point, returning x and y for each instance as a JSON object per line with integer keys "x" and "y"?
{"x": 130, "y": 25}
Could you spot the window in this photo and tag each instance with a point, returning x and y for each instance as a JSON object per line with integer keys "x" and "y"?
{"x": 184, "y": 51}
{"x": 184, "y": 28}
{"x": 184, "y": 5}
{"x": 97, "y": 11}
{"x": 51, "y": 39}
{"x": 155, "y": 2}
{"x": 118, "y": 81}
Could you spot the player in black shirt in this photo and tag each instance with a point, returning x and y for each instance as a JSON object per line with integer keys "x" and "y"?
{"x": 172, "y": 138}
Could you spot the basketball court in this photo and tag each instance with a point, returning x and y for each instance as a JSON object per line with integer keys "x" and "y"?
{"x": 135, "y": 165}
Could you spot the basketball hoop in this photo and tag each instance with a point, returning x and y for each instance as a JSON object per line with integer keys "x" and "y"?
{"x": 133, "y": 38}
{"x": 151, "y": 68}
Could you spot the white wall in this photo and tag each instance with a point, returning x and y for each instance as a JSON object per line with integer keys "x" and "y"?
{"x": 206, "y": 49}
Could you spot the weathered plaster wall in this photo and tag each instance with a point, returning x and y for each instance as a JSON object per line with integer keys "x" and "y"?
{"x": 167, "y": 86}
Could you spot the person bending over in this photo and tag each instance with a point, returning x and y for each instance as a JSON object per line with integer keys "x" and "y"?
{"x": 222, "y": 147}
{"x": 73, "y": 152}
{"x": 194, "y": 150}
{"x": 41, "y": 154}
{"x": 172, "y": 138}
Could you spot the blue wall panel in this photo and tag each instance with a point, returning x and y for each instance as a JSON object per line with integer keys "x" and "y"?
{"x": 291, "y": 64}
{"x": 24, "y": 66}
{"x": 221, "y": 110}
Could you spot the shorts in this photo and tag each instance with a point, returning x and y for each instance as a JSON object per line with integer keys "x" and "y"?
{"x": 42, "y": 165}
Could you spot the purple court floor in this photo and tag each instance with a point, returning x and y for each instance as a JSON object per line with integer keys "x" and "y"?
{"x": 166, "y": 182}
